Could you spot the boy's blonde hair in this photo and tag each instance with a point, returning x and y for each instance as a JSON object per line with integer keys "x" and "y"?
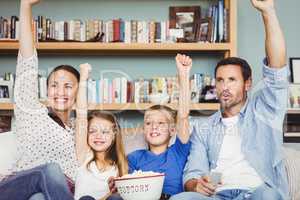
{"x": 115, "y": 154}
{"x": 170, "y": 114}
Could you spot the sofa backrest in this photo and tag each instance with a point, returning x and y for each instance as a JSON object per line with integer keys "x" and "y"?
{"x": 8, "y": 152}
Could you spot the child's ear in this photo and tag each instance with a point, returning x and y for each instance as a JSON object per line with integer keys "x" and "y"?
{"x": 172, "y": 130}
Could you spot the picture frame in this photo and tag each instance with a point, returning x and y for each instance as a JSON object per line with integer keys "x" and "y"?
{"x": 294, "y": 97}
{"x": 295, "y": 69}
{"x": 6, "y": 92}
{"x": 185, "y": 17}
{"x": 203, "y": 30}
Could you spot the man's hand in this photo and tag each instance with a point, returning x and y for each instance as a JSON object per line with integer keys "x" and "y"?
{"x": 85, "y": 70}
{"x": 205, "y": 186}
{"x": 184, "y": 64}
{"x": 111, "y": 185}
{"x": 264, "y": 6}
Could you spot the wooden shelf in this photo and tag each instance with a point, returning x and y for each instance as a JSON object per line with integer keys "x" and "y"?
{"x": 130, "y": 106}
{"x": 11, "y": 47}
{"x": 293, "y": 111}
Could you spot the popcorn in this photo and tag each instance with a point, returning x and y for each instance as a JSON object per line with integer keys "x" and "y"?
{"x": 140, "y": 173}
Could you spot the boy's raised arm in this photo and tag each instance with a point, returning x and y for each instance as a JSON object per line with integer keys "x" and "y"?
{"x": 184, "y": 65}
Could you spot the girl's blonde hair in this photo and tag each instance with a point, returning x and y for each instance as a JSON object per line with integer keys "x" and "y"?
{"x": 115, "y": 154}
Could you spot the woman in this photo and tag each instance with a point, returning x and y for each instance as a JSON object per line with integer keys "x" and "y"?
{"x": 45, "y": 135}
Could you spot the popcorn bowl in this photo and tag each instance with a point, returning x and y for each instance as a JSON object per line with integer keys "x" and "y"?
{"x": 140, "y": 186}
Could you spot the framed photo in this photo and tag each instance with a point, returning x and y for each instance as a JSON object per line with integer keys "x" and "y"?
{"x": 295, "y": 70}
{"x": 5, "y": 91}
{"x": 294, "y": 96}
{"x": 203, "y": 30}
{"x": 185, "y": 18}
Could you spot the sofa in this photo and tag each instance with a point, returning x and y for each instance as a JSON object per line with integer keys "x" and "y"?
{"x": 8, "y": 157}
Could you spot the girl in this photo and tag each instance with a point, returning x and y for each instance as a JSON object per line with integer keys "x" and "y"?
{"x": 103, "y": 154}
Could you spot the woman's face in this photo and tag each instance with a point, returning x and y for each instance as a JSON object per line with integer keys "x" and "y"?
{"x": 100, "y": 134}
{"x": 62, "y": 90}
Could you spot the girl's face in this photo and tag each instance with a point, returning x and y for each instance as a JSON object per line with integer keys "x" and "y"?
{"x": 100, "y": 134}
{"x": 157, "y": 128}
{"x": 62, "y": 90}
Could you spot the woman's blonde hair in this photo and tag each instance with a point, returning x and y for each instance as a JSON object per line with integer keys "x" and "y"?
{"x": 115, "y": 154}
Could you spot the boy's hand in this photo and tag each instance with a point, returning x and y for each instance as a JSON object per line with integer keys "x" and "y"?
{"x": 30, "y": 2}
{"x": 111, "y": 185}
{"x": 85, "y": 70}
{"x": 264, "y": 6}
{"x": 205, "y": 186}
{"x": 184, "y": 64}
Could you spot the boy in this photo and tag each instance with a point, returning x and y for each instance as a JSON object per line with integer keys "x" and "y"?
{"x": 159, "y": 127}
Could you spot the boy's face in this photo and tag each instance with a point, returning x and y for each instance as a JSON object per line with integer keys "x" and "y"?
{"x": 157, "y": 128}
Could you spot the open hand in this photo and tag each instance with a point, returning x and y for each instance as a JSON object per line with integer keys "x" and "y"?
{"x": 263, "y": 6}
{"x": 85, "y": 70}
{"x": 183, "y": 63}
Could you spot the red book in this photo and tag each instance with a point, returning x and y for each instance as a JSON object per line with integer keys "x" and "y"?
{"x": 116, "y": 28}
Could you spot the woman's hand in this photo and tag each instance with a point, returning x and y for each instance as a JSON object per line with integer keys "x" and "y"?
{"x": 85, "y": 70}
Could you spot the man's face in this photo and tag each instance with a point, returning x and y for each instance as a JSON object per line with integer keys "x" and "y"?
{"x": 231, "y": 87}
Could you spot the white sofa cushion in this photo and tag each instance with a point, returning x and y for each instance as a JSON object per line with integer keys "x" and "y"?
{"x": 292, "y": 162}
{"x": 8, "y": 152}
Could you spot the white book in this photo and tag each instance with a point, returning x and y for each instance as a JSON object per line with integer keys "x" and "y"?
{"x": 17, "y": 29}
{"x": 139, "y": 32}
{"x": 146, "y": 30}
{"x": 100, "y": 91}
{"x": 117, "y": 90}
{"x": 221, "y": 21}
{"x": 136, "y": 92}
{"x": 163, "y": 31}
{"x": 105, "y": 90}
{"x": 61, "y": 32}
{"x": 106, "y": 31}
{"x": 127, "y": 38}
{"x": 92, "y": 92}
{"x": 123, "y": 90}
{"x": 56, "y": 30}
{"x": 82, "y": 31}
{"x": 71, "y": 27}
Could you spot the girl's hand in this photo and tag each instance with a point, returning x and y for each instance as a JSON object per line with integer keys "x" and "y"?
{"x": 111, "y": 185}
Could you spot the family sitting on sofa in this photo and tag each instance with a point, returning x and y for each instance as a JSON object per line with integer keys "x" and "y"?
{"x": 242, "y": 141}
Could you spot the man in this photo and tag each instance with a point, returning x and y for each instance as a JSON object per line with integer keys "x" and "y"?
{"x": 243, "y": 140}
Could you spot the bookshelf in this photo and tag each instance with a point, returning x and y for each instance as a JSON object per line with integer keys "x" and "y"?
{"x": 291, "y": 126}
{"x": 10, "y": 47}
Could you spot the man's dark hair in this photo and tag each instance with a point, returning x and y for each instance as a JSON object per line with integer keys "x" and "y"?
{"x": 67, "y": 68}
{"x": 245, "y": 67}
